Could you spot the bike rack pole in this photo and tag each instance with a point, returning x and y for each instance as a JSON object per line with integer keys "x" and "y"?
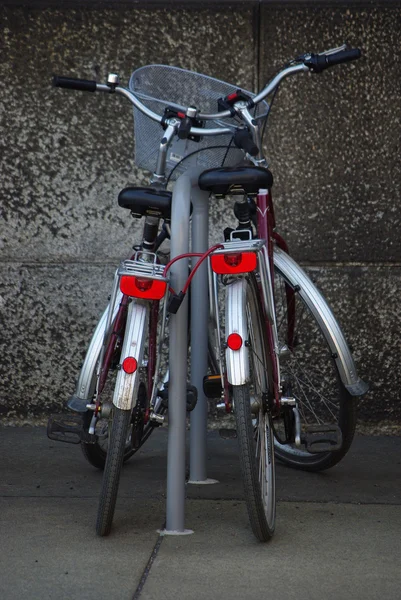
{"x": 199, "y": 337}
{"x": 178, "y": 355}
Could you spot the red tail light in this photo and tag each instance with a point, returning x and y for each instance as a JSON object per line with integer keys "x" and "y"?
{"x": 141, "y": 287}
{"x": 227, "y": 264}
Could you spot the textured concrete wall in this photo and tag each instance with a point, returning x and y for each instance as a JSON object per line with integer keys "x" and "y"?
{"x": 333, "y": 145}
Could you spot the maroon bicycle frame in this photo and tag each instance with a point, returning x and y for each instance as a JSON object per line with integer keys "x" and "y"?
{"x": 266, "y": 224}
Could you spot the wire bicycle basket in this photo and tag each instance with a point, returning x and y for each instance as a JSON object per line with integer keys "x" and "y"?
{"x": 160, "y": 86}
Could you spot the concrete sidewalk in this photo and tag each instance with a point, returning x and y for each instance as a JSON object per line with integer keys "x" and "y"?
{"x": 337, "y": 537}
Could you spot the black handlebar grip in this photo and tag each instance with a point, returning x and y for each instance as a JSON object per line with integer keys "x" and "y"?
{"x": 74, "y": 84}
{"x": 343, "y": 57}
{"x": 318, "y": 62}
{"x": 243, "y": 140}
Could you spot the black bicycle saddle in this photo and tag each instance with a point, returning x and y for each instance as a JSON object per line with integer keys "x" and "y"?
{"x": 146, "y": 201}
{"x": 235, "y": 180}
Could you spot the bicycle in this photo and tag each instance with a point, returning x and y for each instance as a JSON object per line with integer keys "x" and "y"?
{"x": 268, "y": 367}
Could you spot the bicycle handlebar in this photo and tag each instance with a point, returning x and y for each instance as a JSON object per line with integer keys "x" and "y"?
{"x": 309, "y": 62}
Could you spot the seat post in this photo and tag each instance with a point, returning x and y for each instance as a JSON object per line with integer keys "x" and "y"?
{"x": 150, "y": 231}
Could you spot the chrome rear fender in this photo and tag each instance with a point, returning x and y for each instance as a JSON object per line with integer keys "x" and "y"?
{"x": 125, "y": 391}
{"x": 237, "y": 361}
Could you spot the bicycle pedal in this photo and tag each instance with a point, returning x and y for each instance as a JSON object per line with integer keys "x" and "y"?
{"x": 65, "y": 428}
{"x": 322, "y": 438}
{"x": 228, "y": 434}
{"x": 212, "y": 387}
{"x": 69, "y": 428}
{"x": 77, "y": 404}
{"x": 192, "y": 396}
{"x": 156, "y": 419}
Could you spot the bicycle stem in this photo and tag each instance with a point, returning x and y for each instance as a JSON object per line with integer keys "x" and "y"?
{"x": 159, "y": 176}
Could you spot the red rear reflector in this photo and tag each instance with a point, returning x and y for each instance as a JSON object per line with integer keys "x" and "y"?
{"x": 227, "y": 264}
{"x": 129, "y": 364}
{"x": 234, "y": 341}
{"x": 140, "y": 287}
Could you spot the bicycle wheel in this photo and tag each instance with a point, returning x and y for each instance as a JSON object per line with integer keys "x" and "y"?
{"x": 123, "y": 420}
{"x": 253, "y": 422}
{"x": 120, "y": 423}
{"x": 310, "y": 375}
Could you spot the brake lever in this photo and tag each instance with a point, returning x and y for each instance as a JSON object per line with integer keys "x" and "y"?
{"x": 333, "y": 50}
{"x": 307, "y": 56}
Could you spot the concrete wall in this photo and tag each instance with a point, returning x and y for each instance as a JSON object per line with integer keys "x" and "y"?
{"x": 333, "y": 145}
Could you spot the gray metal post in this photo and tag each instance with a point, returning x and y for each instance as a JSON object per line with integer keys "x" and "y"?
{"x": 178, "y": 327}
{"x": 199, "y": 337}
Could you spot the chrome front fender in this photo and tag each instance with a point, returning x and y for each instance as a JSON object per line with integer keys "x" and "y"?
{"x": 316, "y": 303}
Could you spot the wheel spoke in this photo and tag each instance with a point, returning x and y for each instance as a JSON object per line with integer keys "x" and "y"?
{"x": 311, "y": 387}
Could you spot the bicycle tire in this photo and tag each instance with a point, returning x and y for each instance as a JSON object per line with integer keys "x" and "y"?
{"x": 96, "y": 453}
{"x": 255, "y": 436}
{"x": 314, "y": 381}
{"x": 111, "y": 477}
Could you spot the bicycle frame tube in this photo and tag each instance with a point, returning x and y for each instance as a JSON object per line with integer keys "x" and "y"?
{"x": 290, "y": 296}
{"x": 266, "y": 223}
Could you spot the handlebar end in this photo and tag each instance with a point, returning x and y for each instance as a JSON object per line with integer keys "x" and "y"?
{"x": 74, "y": 84}
{"x": 318, "y": 62}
